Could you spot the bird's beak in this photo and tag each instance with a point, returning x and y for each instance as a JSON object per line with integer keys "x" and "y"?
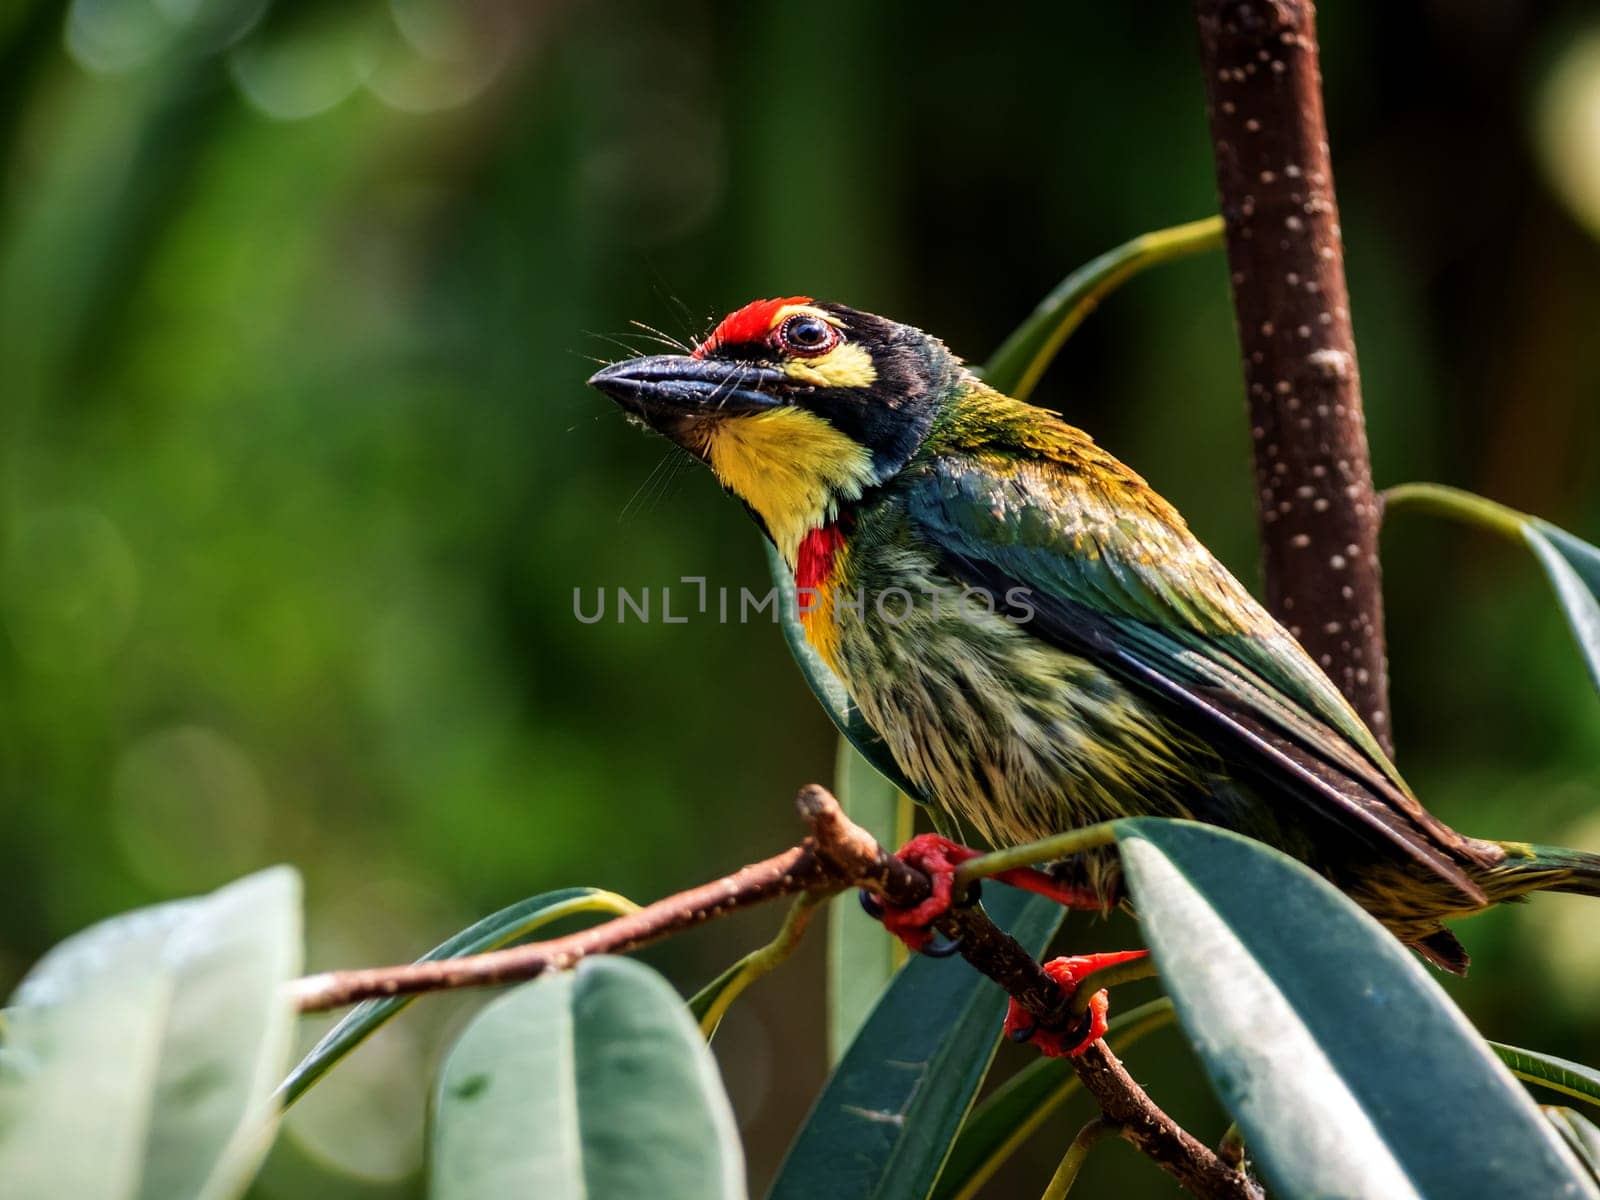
{"x": 670, "y": 391}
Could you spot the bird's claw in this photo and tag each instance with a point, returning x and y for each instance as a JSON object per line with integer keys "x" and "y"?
{"x": 1076, "y": 1036}
{"x": 942, "y": 949}
{"x": 937, "y": 857}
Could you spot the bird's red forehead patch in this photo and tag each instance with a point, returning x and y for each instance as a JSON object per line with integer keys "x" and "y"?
{"x": 749, "y": 324}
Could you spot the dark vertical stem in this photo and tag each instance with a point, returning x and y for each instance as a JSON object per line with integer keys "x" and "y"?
{"x": 1318, "y": 512}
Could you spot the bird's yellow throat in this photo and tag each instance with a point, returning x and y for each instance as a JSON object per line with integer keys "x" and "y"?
{"x": 791, "y": 467}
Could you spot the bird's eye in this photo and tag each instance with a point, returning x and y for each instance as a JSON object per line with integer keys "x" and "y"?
{"x": 807, "y": 335}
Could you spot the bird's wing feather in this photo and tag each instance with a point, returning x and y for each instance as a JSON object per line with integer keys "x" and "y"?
{"x": 1112, "y": 573}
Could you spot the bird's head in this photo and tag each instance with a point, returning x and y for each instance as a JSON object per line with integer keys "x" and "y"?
{"x": 797, "y": 407}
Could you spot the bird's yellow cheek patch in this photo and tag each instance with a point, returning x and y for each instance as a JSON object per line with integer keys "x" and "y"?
{"x": 790, "y": 466}
{"x": 845, "y": 366}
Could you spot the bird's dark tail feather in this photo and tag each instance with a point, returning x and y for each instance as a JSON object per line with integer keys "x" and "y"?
{"x": 1530, "y": 868}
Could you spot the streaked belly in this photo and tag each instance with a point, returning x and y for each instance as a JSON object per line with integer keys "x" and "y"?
{"x": 1019, "y": 738}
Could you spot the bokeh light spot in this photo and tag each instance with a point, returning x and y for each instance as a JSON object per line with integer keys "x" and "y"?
{"x": 189, "y": 809}
{"x": 295, "y": 76}
{"x": 1567, "y": 127}
{"x": 113, "y": 36}
{"x": 444, "y": 56}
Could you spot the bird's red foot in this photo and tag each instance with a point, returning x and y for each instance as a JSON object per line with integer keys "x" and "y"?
{"x": 1077, "y": 1036}
{"x": 936, "y": 857}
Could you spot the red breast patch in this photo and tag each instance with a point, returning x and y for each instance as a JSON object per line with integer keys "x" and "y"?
{"x": 814, "y": 563}
{"x": 751, "y": 323}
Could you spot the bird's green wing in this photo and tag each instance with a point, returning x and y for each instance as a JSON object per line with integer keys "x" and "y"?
{"x": 1110, "y": 571}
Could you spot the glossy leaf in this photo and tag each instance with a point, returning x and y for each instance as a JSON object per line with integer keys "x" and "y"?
{"x": 888, "y": 1115}
{"x": 587, "y": 1083}
{"x": 105, "y": 1044}
{"x": 1573, "y": 567}
{"x": 1346, "y": 1066}
{"x": 508, "y": 925}
{"x": 1018, "y": 1107}
{"x": 1016, "y": 367}
{"x": 862, "y": 958}
{"x": 1571, "y": 564}
{"x": 1580, "y": 1134}
{"x": 142, "y": 1052}
{"x": 824, "y": 684}
{"x": 1548, "y": 1071}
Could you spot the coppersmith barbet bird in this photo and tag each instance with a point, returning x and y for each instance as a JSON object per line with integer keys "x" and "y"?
{"x": 1122, "y": 670}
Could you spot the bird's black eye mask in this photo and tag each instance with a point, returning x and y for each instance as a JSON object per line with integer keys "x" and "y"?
{"x": 891, "y": 413}
{"x": 874, "y": 381}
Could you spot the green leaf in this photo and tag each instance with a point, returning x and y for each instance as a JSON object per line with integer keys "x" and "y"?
{"x": 1571, "y": 564}
{"x": 141, "y": 1053}
{"x": 1546, "y": 1070}
{"x": 1573, "y": 567}
{"x": 1580, "y": 1134}
{"x": 893, "y": 1106}
{"x": 590, "y": 1083}
{"x": 499, "y": 929}
{"x": 1020, "y": 1105}
{"x": 103, "y": 1044}
{"x": 1016, "y": 367}
{"x": 1346, "y": 1066}
{"x": 862, "y": 958}
{"x": 824, "y": 684}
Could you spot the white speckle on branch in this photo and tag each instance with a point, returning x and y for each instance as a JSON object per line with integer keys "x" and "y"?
{"x": 1331, "y": 364}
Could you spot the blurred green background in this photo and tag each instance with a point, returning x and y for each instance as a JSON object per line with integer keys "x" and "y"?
{"x": 300, "y": 475}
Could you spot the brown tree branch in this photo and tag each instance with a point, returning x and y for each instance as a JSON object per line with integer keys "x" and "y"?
{"x": 839, "y": 854}
{"x": 1315, "y": 502}
{"x": 1142, "y": 1123}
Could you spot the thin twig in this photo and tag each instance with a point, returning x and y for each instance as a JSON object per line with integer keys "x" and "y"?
{"x": 838, "y": 854}
{"x": 1156, "y": 1135}
{"x": 794, "y": 870}
{"x": 1188, "y": 1160}
{"x": 1126, "y": 1029}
